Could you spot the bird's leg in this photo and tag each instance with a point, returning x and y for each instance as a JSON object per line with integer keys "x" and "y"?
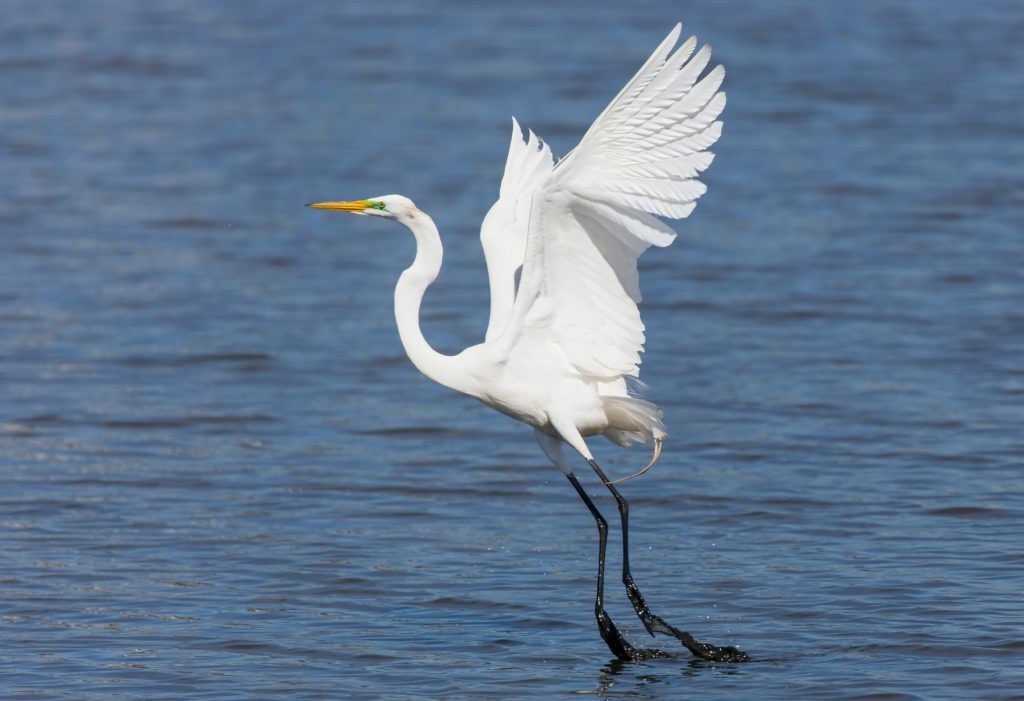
{"x": 609, "y": 633}
{"x": 653, "y": 623}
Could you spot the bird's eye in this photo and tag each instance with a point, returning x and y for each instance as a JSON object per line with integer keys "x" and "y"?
{"x": 378, "y": 205}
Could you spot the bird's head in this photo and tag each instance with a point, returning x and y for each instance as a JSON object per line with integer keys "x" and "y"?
{"x": 387, "y": 206}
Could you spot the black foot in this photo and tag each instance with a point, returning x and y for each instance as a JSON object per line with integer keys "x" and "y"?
{"x": 628, "y": 653}
{"x": 618, "y": 645}
{"x": 613, "y": 638}
{"x": 656, "y": 624}
{"x": 647, "y": 653}
{"x": 715, "y": 653}
{"x": 705, "y": 651}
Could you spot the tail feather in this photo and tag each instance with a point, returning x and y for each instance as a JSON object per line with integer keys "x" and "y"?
{"x": 632, "y": 420}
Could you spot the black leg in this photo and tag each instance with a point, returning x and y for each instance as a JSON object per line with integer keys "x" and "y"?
{"x": 609, "y": 633}
{"x": 653, "y": 624}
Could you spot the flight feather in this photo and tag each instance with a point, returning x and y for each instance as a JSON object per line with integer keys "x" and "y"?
{"x": 565, "y": 238}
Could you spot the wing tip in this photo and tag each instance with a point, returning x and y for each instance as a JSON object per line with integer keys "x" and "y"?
{"x": 516, "y": 129}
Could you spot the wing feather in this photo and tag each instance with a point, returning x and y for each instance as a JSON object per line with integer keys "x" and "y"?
{"x": 504, "y": 230}
{"x": 579, "y": 227}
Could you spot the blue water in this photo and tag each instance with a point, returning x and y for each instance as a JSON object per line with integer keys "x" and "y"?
{"x": 220, "y": 478}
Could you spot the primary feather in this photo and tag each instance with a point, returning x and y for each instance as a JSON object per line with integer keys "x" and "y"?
{"x": 504, "y": 229}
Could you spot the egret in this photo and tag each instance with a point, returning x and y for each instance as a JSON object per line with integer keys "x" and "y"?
{"x": 561, "y": 243}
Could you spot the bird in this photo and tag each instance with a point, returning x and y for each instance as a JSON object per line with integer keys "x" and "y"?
{"x": 561, "y": 352}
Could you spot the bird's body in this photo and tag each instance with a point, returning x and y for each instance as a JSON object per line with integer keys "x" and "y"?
{"x": 561, "y": 243}
{"x": 521, "y": 374}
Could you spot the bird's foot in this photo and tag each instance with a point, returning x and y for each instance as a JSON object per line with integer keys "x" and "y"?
{"x": 705, "y": 651}
{"x": 618, "y": 645}
{"x": 656, "y": 624}
{"x": 613, "y": 638}
{"x": 630, "y": 653}
{"x": 640, "y": 654}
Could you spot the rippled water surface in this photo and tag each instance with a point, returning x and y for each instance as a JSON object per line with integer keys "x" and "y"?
{"x": 220, "y": 477}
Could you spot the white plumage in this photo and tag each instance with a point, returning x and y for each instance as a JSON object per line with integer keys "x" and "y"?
{"x": 561, "y": 244}
{"x": 573, "y": 231}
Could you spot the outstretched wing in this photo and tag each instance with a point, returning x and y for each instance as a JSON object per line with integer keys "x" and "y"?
{"x": 504, "y": 230}
{"x": 596, "y": 212}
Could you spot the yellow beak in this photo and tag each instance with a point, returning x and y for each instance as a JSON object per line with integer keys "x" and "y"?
{"x": 353, "y": 206}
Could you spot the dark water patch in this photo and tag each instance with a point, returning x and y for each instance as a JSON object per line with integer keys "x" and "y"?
{"x": 147, "y": 67}
{"x": 41, "y": 505}
{"x": 449, "y": 602}
{"x": 345, "y": 588}
{"x": 689, "y": 305}
{"x": 850, "y": 189}
{"x": 940, "y": 215}
{"x": 371, "y": 658}
{"x": 173, "y": 361}
{"x": 957, "y": 458}
{"x": 189, "y": 421}
{"x": 277, "y": 262}
{"x": 749, "y": 457}
{"x": 248, "y": 647}
{"x": 933, "y": 650}
{"x": 40, "y": 420}
{"x": 414, "y": 431}
{"x": 784, "y": 116}
{"x": 25, "y": 63}
{"x": 422, "y": 515}
{"x": 191, "y": 223}
{"x": 22, "y": 149}
{"x": 748, "y": 516}
{"x": 1012, "y": 647}
{"x": 972, "y": 512}
{"x": 393, "y": 360}
{"x": 435, "y": 491}
{"x": 147, "y": 482}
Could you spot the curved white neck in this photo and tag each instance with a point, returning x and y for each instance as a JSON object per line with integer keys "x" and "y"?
{"x": 413, "y": 283}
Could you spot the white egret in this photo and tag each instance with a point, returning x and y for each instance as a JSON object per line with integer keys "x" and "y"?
{"x": 561, "y": 245}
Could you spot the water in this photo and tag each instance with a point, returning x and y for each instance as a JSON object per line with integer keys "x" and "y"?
{"x": 221, "y": 478}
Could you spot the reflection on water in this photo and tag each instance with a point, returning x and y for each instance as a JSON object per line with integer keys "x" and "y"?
{"x": 221, "y": 476}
